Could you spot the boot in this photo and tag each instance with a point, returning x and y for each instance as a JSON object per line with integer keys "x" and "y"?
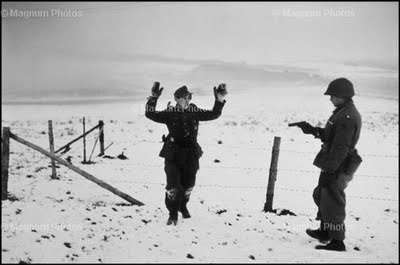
{"x": 173, "y": 218}
{"x": 334, "y": 245}
{"x": 184, "y": 211}
{"x": 172, "y": 201}
{"x": 321, "y": 235}
{"x": 185, "y": 199}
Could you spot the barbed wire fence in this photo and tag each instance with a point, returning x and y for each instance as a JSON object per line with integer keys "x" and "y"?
{"x": 134, "y": 143}
{"x": 264, "y": 169}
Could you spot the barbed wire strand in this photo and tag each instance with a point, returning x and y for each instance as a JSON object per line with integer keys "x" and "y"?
{"x": 252, "y": 187}
{"x": 255, "y": 168}
{"x": 254, "y": 148}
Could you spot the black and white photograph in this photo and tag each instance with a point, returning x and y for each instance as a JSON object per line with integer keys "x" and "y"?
{"x": 200, "y": 132}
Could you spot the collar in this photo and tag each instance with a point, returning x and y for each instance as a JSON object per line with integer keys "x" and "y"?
{"x": 348, "y": 102}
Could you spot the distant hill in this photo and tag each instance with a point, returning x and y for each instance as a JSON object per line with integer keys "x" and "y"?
{"x": 60, "y": 75}
{"x": 244, "y": 72}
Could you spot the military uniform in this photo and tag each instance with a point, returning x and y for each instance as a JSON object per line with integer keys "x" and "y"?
{"x": 181, "y": 150}
{"x": 339, "y": 138}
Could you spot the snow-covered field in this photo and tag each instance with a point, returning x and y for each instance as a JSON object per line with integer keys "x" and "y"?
{"x": 74, "y": 220}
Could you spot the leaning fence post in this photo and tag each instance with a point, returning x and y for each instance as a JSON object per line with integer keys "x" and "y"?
{"x": 273, "y": 170}
{"x": 5, "y": 160}
{"x": 51, "y": 140}
{"x": 101, "y": 137}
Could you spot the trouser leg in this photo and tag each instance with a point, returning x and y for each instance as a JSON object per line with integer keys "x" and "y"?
{"x": 317, "y": 200}
{"x": 188, "y": 181}
{"x": 333, "y": 207}
{"x": 174, "y": 190}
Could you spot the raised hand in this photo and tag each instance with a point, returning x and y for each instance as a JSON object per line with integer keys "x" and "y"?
{"x": 156, "y": 91}
{"x": 220, "y": 92}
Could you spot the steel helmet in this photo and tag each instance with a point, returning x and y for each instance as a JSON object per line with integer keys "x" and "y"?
{"x": 340, "y": 87}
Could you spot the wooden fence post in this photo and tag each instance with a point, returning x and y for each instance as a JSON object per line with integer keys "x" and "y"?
{"x": 5, "y": 160}
{"x": 51, "y": 140}
{"x": 84, "y": 141}
{"x": 273, "y": 170}
{"x": 101, "y": 137}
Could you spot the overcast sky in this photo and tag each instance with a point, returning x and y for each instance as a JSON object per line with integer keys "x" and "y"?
{"x": 251, "y": 32}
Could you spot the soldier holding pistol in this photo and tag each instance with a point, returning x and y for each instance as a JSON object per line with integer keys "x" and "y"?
{"x": 338, "y": 160}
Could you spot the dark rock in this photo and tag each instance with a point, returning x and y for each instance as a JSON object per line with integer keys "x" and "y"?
{"x": 122, "y": 156}
{"x": 69, "y": 159}
{"x": 283, "y": 212}
{"x": 146, "y": 221}
{"x": 123, "y": 204}
{"x": 68, "y": 245}
{"x": 221, "y": 211}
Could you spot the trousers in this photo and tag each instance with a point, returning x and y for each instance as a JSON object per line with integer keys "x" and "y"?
{"x": 181, "y": 179}
{"x": 331, "y": 202}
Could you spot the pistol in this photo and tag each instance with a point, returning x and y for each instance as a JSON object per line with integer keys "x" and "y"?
{"x": 296, "y": 123}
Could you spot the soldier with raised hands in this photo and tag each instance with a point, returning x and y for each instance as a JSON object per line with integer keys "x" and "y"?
{"x": 181, "y": 150}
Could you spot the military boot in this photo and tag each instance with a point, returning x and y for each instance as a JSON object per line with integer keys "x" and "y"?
{"x": 172, "y": 201}
{"x": 173, "y": 218}
{"x": 184, "y": 211}
{"x": 321, "y": 235}
{"x": 334, "y": 245}
{"x": 185, "y": 199}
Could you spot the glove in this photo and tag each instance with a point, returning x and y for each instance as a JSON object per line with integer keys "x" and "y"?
{"x": 306, "y": 128}
{"x": 325, "y": 178}
{"x": 156, "y": 91}
{"x": 220, "y": 92}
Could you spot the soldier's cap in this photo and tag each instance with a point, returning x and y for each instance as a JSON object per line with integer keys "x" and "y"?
{"x": 182, "y": 92}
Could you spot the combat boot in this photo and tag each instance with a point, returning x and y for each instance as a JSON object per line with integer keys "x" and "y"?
{"x": 183, "y": 206}
{"x": 334, "y": 245}
{"x": 173, "y": 218}
{"x": 184, "y": 211}
{"x": 321, "y": 235}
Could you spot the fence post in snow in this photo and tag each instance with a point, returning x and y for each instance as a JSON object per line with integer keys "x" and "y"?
{"x": 53, "y": 162}
{"x": 273, "y": 170}
{"x": 84, "y": 141}
{"x": 5, "y": 160}
{"x": 101, "y": 137}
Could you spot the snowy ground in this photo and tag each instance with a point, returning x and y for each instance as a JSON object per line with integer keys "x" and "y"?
{"x": 74, "y": 220}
